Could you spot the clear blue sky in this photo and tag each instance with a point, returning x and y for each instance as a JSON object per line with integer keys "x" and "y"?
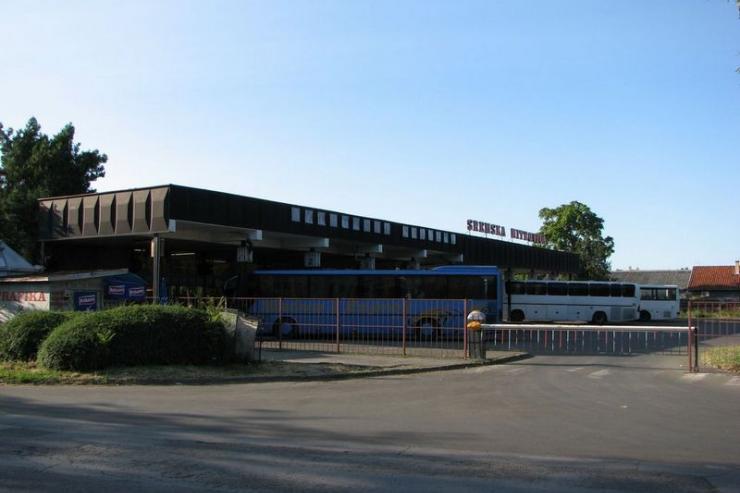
{"x": 422, "y": 112}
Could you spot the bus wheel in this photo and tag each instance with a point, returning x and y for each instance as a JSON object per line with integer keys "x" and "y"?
{"x": 286, "y": 327}
{"x": 644, "y": 316}
{"x": 517, "y": 316}
{"x": 599, "y": 318}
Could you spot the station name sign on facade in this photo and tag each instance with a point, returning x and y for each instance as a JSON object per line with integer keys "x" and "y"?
{"x": 495, "y": 229}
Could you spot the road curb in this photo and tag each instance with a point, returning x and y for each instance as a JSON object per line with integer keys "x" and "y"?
{"x": 318, "y": 378}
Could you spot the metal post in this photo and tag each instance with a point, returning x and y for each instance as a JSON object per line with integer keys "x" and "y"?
{"x": 507, "y": 284}
{"x": 336, "y": 304}
{"x": 696, "y": 349}
{"x": 403, "y": 326}
{"x": 466, "y": 353}
{"x": 155, "y": 267}
{"x": 280, "y": 323}
{"x": 691, "y": 341}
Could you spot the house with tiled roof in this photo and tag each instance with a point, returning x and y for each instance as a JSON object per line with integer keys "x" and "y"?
{"x": 715, "y": 282}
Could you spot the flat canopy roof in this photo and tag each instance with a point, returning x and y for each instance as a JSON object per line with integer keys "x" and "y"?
{"x": 184, "y": 214}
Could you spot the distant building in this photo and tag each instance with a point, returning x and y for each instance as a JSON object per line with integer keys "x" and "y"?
{"x": 678, "y": 278}
{"x": 718, "y": 282}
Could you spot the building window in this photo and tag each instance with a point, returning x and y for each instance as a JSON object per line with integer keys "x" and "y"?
{"x": 387, "y": 228}
{"x": 438, "y": 236}
{"x": 376, "y": 227}
{"x": 308, "y": 216}
{"x": 422, "y": 234}
{"x": 453, "y": 238}
{"x": 430, "y": 235}
{"x": 366, "y": 225}
{"x": 446, "y": 238}
{"x": 345, "y": 222}
{"x": 321, "y": 218}
{"x": 405, "y": 231}
{"x": 356, "y": 223}
{"x": 333, "y": 220}
{"x": 414, "y": 233}
{"x": 295, "y": 214}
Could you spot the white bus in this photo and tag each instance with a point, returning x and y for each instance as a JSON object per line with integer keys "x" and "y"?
{"x": 658, "y": 302}
{"x": 586, "y": 301}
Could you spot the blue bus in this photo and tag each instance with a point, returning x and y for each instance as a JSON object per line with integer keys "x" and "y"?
{"x": 373, "y": 303}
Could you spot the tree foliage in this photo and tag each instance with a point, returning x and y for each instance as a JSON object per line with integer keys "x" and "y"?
{"x": 34, "y": 165}
{"x": 574, "y": 227}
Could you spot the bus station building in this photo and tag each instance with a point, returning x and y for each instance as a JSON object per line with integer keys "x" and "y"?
{"x": 187, "y": 240}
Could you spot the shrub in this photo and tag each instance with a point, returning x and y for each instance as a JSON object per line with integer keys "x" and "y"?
{"x": 134, "y": 335}
{"x": 21, "y": 337}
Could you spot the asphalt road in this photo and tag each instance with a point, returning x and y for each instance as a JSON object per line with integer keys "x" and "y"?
{"x": 556, "y": 423}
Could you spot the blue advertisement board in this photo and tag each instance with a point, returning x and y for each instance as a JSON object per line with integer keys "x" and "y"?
{"x": 85, "y": 301}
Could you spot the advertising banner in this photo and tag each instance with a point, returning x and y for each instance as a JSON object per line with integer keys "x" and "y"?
{"x": 14, "y": 299}
{"x": 85, "y": 301}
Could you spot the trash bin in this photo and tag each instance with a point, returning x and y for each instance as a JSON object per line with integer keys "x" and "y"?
{"x": 476, "y": 335}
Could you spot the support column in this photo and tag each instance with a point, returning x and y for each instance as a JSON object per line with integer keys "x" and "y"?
{"x": 508, "y": 278}
{"x": 156, "y": 275}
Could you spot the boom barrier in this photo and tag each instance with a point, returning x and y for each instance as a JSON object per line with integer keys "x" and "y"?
{"x": 589, "y": 339}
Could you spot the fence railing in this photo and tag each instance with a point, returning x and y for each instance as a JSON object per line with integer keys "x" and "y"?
{"x": 716, "y": 342}
{"x": 431, "y": 327}
{"x": 388, "y": 326}
{"x": 588, "y": 339}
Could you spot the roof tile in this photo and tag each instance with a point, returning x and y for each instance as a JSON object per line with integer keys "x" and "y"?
{"x": 716, "y": 276}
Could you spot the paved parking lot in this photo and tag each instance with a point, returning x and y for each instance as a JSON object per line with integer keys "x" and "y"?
{"x": 544, "y": 424}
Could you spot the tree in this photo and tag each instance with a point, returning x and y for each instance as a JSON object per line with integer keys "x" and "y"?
{"x": 574, "y": 227}
{"x": 32, "y": 165}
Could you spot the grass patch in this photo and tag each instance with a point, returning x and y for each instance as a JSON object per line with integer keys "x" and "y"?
{"x": 30, "y": 373}
{"x": 724, "y": 358}
{"x": 713, "y": 314}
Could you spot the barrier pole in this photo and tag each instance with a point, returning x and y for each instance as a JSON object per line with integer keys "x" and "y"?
{"x": 403, "y": 326}
{"x": 280, "y": 323}
{"x": 696, "y": 349}
{"x": 691, "y": 342}
{"x": 466, "y": 353}
{"x": 337, "y": 308}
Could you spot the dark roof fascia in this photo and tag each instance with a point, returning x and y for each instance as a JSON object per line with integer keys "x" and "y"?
{"x": 98, "y": 192}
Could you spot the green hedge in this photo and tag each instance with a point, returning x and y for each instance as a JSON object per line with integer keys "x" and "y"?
{"x": 135, "y": 335}
{"x": 22, "y": 335}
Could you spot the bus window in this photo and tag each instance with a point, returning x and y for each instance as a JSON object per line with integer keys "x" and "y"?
{"x": 557, "y": 289}
{"x": 425, "y": 287}
{"x": 536, "y": 288}
{"x": 515, "y": 287}
{"x": 647, "y": 294}
{"x": 319, "y": 287}
{"x": 628, "y": 290}
{"x": 672, "y": 293}
{"x": 578, "y": 289}
{"x": 598, "y": 289}
{"x": 465, "y": 287}
{"x": 615, "y": 290}
{"x": 381, "y": 287}
{"x": 291, "y": 286}
{"x": 491, "y": 287}
{"x": 344, "y": 286}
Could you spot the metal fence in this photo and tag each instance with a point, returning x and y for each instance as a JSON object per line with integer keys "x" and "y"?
{"x": 588, "y": 339}
{"x": 378, "y": 326}
{"x": 716, "y": 338}
{"x": 430, "y": 328}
